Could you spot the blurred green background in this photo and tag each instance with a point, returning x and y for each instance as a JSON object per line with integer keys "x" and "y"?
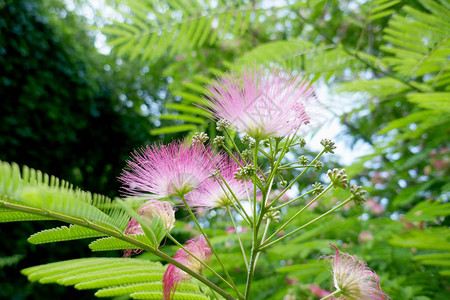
{"x": 83, "y": 83}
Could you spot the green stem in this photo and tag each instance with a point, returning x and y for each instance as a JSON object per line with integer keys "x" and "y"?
{"x": 336, "y": 292}
{"x": 239, "y": 238}
{"x": 210, "y": 245}
{"x": 197, "y": 259}
{"x": 290, "y": 201}
{"x": 307, "y": 224}
{"x": 119, "y": 235}
{"x": 300, "y": 211}
{"x": 296, "y": 178}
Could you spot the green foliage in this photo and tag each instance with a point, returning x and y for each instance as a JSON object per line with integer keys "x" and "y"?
{"x": 63, "y": 233}
{"x": 138, "y": 278}
{"x": 157, "y": 29}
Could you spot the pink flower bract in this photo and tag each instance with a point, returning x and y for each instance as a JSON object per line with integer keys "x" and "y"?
{"x": 167, "y": 170}
{"x": 214, "y": 193}
{"x": 199, "y": 247}
{"x": 259, "y": 103}
{"x": 354, "y": 279}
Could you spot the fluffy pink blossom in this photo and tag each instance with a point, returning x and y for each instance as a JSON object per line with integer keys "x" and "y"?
{"x": 148, "y": 211}
{"x": 167, "y": 170}
{"x": 214, "y": 193}
{"x": 199, "y": 247}
{"x": 261, "y": 104}
{"x": 354, "y": 279}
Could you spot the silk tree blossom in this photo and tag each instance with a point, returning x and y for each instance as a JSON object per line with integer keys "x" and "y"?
{"x": 150, "y": 210}
{"x": 168, "y": 170}
{"x": 215, "y": 193}
{"x": 198, "y": 246}
{"x": 354, "y": 279}
{"x": 261, "y": 104}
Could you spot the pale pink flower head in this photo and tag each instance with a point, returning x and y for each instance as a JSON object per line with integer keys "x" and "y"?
{"x": 149, "y": 211}
{"x": 215, "y": 193}
{"x": 375, "y": 207}
{"x": 261, "y": 104}
{"x": 168, "y": 170}
{"x": 199, "y": 247}
{"x": 354, "y": 279}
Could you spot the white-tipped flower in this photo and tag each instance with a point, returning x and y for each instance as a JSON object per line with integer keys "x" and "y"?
{"x": 354, "y": 279}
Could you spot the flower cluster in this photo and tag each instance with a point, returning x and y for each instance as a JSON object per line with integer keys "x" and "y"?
{"x": 168, "y": 170}
{"x": 266, "y": 108}
{"x": 260, "y": 104}
{"x": 353, "y": 279}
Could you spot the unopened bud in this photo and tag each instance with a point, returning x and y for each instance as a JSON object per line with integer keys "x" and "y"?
{"x": 339, "y": 178}
{"x": 200, "y": 137}
{"x": 266, "y": 143}
{"x": 318, "y": 187}
{"x": 245, "y": 139}
{"x": 273, "y": 216}
{"x": 221, "y": 125}
{"x": 247, "y": 154}
{"x": 303, "y": 160}
{"x": 302, "y": 143}
{"x": 328, "y": 145}
{"x": 244, "y": 173}
{"x": 318, "y": 166}
{"x": 358, "y": 194}
{"x": 218, "y": 141}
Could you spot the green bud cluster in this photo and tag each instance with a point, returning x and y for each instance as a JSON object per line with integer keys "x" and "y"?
{"x": 221, "y": 125}
{"x": 245, "y": 172}
{"x": 247, "y": 154}
{"x": 200, "y": 137}
{"x": 303, "y": 160}
{"x": 302, "y": 143}
{"x": 219, "y": 141}
{"x": 318, "y": 166}
{"x": 358, "y": 194}
{"x": 245, "y": 139}
{"x": 328, "y": 145}
{"x": 273, "y": 216}
{"x": 339, "y": 178}
{"x": 318, "y": 187}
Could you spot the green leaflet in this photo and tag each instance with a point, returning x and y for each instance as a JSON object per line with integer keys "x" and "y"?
{"x": 143, "y": 287}
{"x": 168, "y": 35}
{"x": 111, "y": 243}
{"x": 114, "y": 276}
{"x": 63, "y": 233}
{"x": 16, "y": 216}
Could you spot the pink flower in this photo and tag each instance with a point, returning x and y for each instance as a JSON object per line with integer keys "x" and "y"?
{"x": 375, "y": 207}
{"x": 168, "y": 170}
{"x": 259, "y": 103}
{"x": 173, "y": 275}
{"x": 354, "y": 279}
{"x": 150, "y": 210}
{"x": 214, "y": 193}
{"x": 365, "y": 236}
{"x": 318, "y": 291}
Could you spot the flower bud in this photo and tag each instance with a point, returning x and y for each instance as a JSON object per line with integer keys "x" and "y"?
{"x": 339, "y": 178}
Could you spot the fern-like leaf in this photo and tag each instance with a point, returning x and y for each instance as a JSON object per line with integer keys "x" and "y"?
{"x": 63, "y": 233}
{"x": 113, "y": 276}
